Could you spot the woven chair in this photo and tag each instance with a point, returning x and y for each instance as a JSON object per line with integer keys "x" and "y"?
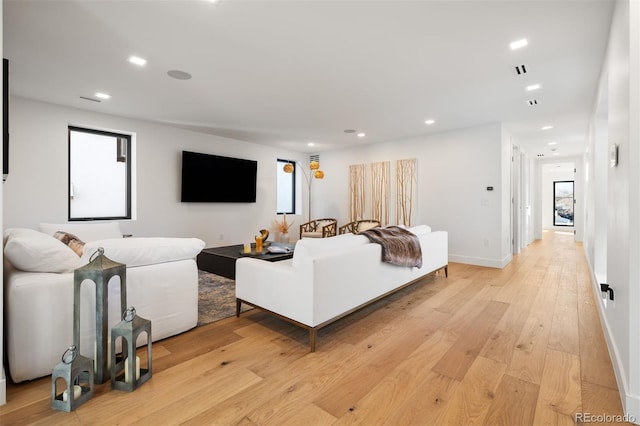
{"x": 358, "y": 226}
{"x": 319, "y": 228}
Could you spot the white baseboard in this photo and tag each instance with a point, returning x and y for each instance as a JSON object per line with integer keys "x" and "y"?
{"x": 632, "y": 408}
{"x": 3, "y": 388}
{"x": 480, "y": 261}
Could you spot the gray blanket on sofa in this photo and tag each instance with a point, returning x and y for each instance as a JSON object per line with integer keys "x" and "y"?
{"x": 399, "y": 246}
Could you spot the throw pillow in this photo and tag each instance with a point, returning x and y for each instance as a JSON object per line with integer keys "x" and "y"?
{"x": 74, "y": 243}
{"x": 33, "y": 251}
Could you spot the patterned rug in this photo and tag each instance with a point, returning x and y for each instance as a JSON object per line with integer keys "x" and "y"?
{"x": 216, "y": 298}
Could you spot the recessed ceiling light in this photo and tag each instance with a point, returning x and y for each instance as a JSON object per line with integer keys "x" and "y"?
{"x": 556, "y": 153}
{"x": 137, "y": 60}
{"x": 533, "y": 87}
{"x": 102, "y": 95}
{"x": 518, "y": 44}
{"x": 429, "y": 122}
{"x": 552, "y": 143}
{"x": 311, "y": 144}
{"x": 546, "y": 127}
{"x": 361, "y": 135}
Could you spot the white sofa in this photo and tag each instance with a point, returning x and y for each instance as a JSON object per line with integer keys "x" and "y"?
{"x": 329, "y": 278}
{"x": 162, "y": 284}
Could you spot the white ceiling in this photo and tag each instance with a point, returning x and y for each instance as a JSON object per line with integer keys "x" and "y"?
{"x": 286, "y": 73}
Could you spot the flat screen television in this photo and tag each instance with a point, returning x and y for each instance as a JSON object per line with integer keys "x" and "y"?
{"x": 210, "y": 178}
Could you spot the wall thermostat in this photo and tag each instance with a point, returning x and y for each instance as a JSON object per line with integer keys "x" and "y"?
{"x": 613, "y": 155}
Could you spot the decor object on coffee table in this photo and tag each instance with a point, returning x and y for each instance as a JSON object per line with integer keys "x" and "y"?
{"x": 77, "y": 372}
{"x": 283, "y": 227}
{"x": 100, "y": 270}
{"x": 126, "y": 372}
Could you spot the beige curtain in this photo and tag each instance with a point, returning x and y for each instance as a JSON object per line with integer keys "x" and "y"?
{"x": 406, "y": 183}
{"x": 380, "y": 177}
{"x": 356, "y": 193}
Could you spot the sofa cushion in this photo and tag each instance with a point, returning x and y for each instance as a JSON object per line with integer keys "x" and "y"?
{"x": 420, "y": 229}
{"x": 33, "y": 251}
{"x": 145, "y": 251}
{"x": 85, "y": 231}
{"x": 306, "y": 248}
{"x": 311, "y": 235}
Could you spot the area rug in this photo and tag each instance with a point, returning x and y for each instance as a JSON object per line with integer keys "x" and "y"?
{"x": 216, "y": 298}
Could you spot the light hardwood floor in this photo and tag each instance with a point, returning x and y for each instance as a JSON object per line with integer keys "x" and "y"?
{"x": 515, "y": 346}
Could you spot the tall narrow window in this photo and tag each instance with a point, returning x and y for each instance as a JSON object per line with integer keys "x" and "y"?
{"x": 563, "y": 202}
{"x": 286, "y": 188}
{"x": 99, "y": 175}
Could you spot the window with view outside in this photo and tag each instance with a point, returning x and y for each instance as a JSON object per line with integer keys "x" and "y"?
{"x": 563, "y": 202}
{"x": 286, "y": 189}
{"x": 99, "y": 175}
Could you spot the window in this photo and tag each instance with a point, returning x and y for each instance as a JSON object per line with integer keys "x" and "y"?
{"x": 99, "y": 175}
{"x": 286, "y": 188}
{"x": 563, "y": 203}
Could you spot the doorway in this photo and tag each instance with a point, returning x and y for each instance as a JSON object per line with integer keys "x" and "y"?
{"x": 563, "y": 202}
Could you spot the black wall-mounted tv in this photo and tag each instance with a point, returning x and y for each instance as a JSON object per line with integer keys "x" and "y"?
{"x": 210, "y": 178}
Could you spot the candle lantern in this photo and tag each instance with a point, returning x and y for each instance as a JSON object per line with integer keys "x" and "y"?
{"x": 100, "y": 270}
{"x": 77, "y": 372}
{"x": 126, "y": 372}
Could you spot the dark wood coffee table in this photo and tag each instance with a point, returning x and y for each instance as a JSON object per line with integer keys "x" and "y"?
{"x": 222, "y": 260}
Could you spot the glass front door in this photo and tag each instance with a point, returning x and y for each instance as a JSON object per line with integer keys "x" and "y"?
{"x": 563, "y": 203}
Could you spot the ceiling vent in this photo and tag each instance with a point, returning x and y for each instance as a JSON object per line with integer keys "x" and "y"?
{"x": 520, "y": 69}
{"x": 90, "y": 99}
{"x": 314, "y": 157}
{"x": 532, "y": 102}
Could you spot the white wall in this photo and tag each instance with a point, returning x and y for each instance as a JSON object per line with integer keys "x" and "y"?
{"x": 3, "y": 380}
{"x": 620, "y": 90}
{"x": 596, "y": 162}
{"x": 36, "y": 189}
{"x": 455, "y": 168}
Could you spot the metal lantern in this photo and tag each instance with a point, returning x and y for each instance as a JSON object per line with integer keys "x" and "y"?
{"x": 126, "y": 372}
{"x": 100, "y": 270}
{"x": 77, "y": 372}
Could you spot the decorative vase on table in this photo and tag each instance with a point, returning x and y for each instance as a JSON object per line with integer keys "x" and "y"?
{"x": 284, "y": 237}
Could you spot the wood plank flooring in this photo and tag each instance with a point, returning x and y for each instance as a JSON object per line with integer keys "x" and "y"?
{"x": 515, "y": 346}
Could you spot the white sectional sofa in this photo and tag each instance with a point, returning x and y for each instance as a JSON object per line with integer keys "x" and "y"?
{"x": 329, "y": 278}
{"x": 162, "y": 284}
